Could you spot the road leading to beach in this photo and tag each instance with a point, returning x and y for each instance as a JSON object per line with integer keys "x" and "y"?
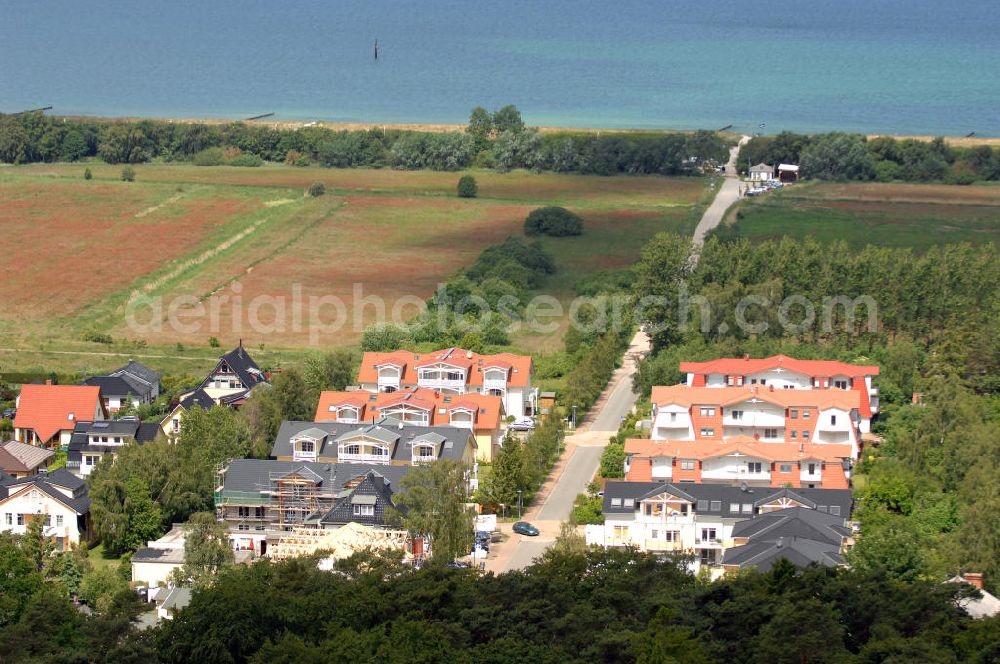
{"x": 582, "y": 455}
{"x": 728, "y": 194}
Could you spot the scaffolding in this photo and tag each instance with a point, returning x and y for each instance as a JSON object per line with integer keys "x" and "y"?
{"x": 340, "y": 543}
{"x": 283, "y": 501}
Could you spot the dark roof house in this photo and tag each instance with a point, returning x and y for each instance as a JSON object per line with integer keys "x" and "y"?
{"x": 726, "y": 501}
{"x": 94, "y": 439}
{"x": 404, "y": 442}
{"x": 800, "y": 535}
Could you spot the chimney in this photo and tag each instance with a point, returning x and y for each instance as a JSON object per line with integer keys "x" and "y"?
{"x": 48, "y": 381}
{"x": 974, "y": 579}
{"x": 746, "y": 357}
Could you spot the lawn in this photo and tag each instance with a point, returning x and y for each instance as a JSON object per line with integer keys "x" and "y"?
{"x": 234, "y": 249}
{"x": 896, "y": 215}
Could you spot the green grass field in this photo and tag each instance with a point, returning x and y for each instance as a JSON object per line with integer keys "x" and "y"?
{"x": 223, "y": 237}
{"x": 895, "y": 215}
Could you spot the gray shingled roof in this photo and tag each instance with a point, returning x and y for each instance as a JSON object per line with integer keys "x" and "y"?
{"x": 148, "y": 554}
{"x": 139, "y": 376}
{"x": 802, "y": 552}
{"x": 252, "y": 475}
{"x": 47, "y": 483}
{"x": 402, "y": 437}
{"x": 239, "y": 360}
{"x": 112, "y": 386}
{"x": 717, "y": 499}
{"x": 28, "y": 457}
{"x": 795, "y": 522}
{"x": 197, "y": 398}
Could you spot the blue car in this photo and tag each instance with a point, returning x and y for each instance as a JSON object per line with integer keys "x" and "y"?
{"x": 525, "y": 528}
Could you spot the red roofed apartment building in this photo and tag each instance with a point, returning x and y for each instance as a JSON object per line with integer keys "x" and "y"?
{"x": 482, "y": 413}
{"x": 776, "y": 421}
{"x": 47, "y": 414}
{"x": 454, "y": 371}
{"x": 786, "y": 373}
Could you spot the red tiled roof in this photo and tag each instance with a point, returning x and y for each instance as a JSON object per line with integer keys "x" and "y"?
{"x": 695, "y": 449}
{"x": 519, "y": 367}
{"x": 683, "y": 395}
{"x": 640, "y": 470}
{"x": 488, "y": 409}
{"x": 47, "y": 408}
{"x": 734, "y": 366}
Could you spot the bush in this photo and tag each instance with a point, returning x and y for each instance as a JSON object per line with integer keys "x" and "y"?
{"x": 317, "y": 189}
{"x": 553, "y": 221}
{"x": 213, "y": 342}
{"x": 87, "y": 175}
{"x": 128, "y": 174}
{"x": 246, "y": 159}
{"x": 209, "y": 157}
{"x": 97, "y": 337}
{"x": 467, "y": 187}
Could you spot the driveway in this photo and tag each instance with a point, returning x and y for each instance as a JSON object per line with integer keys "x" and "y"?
{"x": 728, "y": 194}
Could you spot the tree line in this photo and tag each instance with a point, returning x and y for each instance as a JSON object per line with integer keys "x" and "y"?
{"x": 839, "y": 156}
{"x": 927, "y": 502}
{"x": 889, "y": 291}
{"x": 573, "y": 605}
{"x": 499, "y": 140}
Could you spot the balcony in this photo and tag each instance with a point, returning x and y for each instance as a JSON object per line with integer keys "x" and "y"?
{"x": 299, "y": 455}
{"x": 363, "y": 458}
{"x": 494, "y": 384}
{"x": 384, "y": 382}
{"x": 806, "y": 476}
{"x": 442, "y": 384}
{"x": 709, "y": 543}
{"x": 657, "y": 545}
{"x": 734, "y": 474}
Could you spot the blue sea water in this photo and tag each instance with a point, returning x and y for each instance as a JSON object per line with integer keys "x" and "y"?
{"x": 900, "y": 66}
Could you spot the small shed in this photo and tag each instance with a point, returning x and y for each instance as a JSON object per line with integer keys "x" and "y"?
{"x": 788, "y": 172}
{"x": 761, "y": 173}
{"x": 546, "y": 401}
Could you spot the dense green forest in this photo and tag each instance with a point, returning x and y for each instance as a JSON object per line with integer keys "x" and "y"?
{"x": 574, "y": 605}
{"x": 927, "y": 497}
{"x": 838, "y": 156}
{"x": 498, "y": 140}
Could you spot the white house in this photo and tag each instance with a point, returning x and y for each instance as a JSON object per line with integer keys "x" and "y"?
{"x": 761, "y": 173}
{"x": 59, "y": 498}
{"x": 696, "y": 519}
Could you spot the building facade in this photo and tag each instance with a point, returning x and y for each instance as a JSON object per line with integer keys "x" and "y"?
{"x": 59, "y": 499}
{"x": 481, "y": 414}
{"x": 697, "y": 519}
{"x": 47, "y": 414}
{"x": 454, "y": 371}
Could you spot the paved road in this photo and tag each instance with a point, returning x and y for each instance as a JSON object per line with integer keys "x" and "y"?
{"x": 617, "y": 400}
{"x": 579, "y": 471}
{"x": 527, "y": 550}
{"x": 728, "y": 194}
{"x": 621, "y": 398}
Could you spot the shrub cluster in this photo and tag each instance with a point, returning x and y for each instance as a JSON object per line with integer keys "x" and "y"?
{"x": 499, "y": 140}
{"x": 553, "y": 221}
{"x": 838, "y": 156}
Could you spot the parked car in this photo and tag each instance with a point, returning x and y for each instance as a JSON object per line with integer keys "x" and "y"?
{"x": 483, "y": 536}
{"x": 9, "y": 413}
{"x": 525, "y": 528}
{"x": 458, "y": 564}
{"x": 523, "y": 424}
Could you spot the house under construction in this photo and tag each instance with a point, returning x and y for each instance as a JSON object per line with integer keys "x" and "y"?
{"x": 260, "y": 500}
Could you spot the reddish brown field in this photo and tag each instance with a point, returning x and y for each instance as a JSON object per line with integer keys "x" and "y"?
{"x": 226, "y": 238}
{"x": 71, "y": 244}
